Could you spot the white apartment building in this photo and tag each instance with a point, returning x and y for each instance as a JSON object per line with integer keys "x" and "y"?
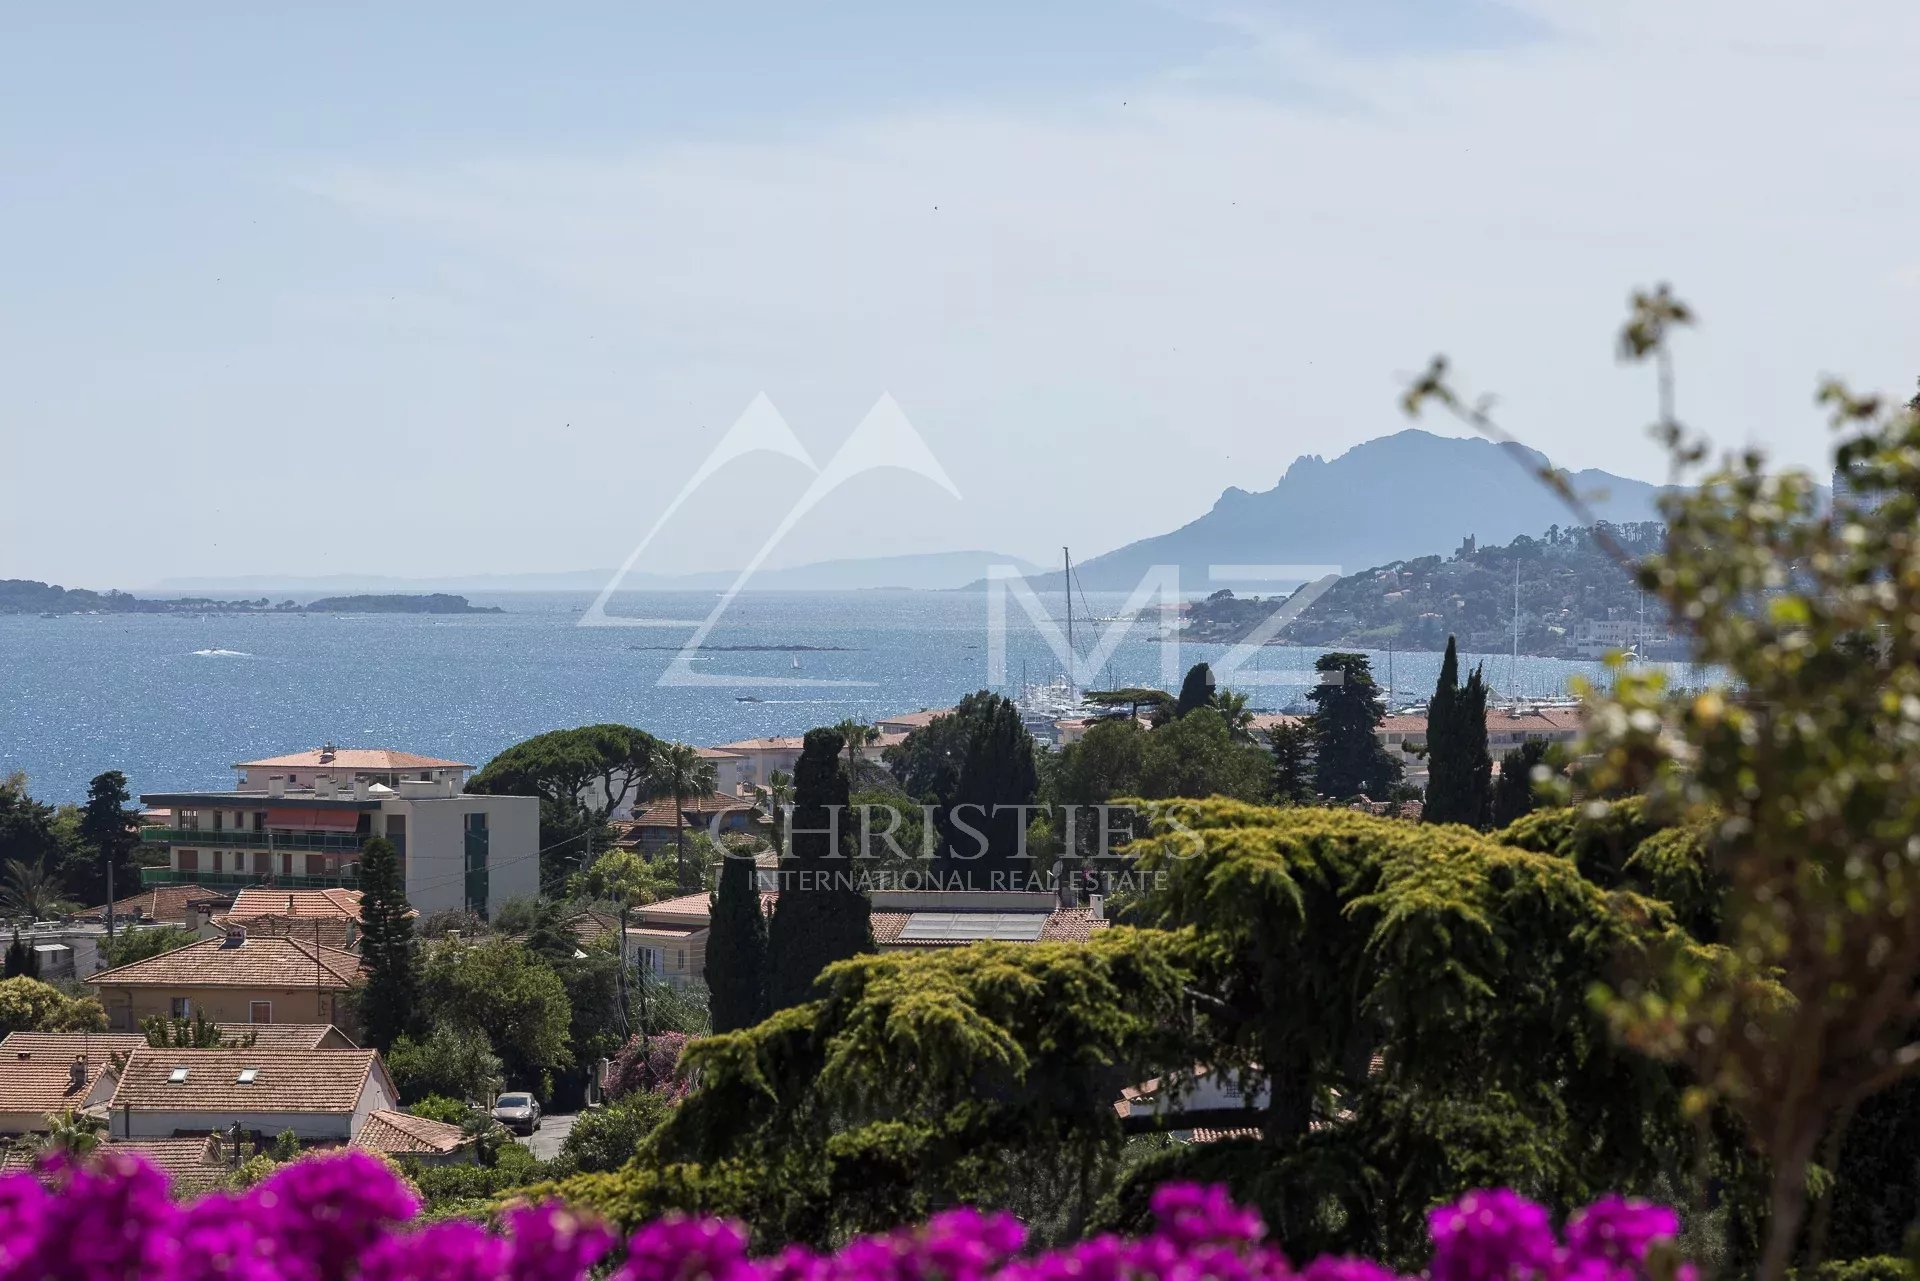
{"x": 300, "y": 821}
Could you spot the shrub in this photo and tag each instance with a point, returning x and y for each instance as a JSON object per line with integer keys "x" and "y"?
{"x": 448, "y": 1062}
{"x": 438, "y": 1107}
{"x": 647, "y": 1063}
{"x": 606, "y": 1138}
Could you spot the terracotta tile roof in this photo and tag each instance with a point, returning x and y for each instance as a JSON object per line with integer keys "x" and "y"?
{"x": 262, "y": 901}
{"x": 590, "y": 926}
{"x": 326, "y": 1081}
{"x": 252, "y": 963}
{"x": 163, "y": 902}
{"x": 371, "y": 758}
{"x": 39, "y": 1085}
{"x": 284, "y": 1036}
{"x": 192, "y": 1166}
{"x": 1072, "y": 925}
{"x": 62, "y": 1046}
{"x": 715, "y": 754}
{"x": 328, "y": 931}
{"x": 690, "y": 907}
{"x": 396, "y": 1132}
{"x": 1216, "y": 1136}
{"x": 915, "y": 720}
{"x": 788, "y": 744}
{"x": 659, "y": 813}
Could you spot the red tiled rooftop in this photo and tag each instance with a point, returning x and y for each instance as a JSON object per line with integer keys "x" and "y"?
{"x": 327, "y": 1081}
{"x": 252, "y": 963}
{"x": 396, "y": 1132}
{"x": 352, "y": 758}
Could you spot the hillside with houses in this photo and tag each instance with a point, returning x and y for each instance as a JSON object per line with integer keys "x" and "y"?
{"x": 1575, "y": 601}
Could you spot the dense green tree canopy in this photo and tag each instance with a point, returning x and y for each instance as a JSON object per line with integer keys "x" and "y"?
{"x": 982, "y": 824}
{"x": 583, "y": 777}
{"x": 1409, "y": 1008}
{"x": 916, "y": 1080}
{"x": 1348, "y": 758}
{"x": 497, "y": 988}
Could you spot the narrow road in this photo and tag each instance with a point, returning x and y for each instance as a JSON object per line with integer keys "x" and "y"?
{"x": 546, "y": 1141}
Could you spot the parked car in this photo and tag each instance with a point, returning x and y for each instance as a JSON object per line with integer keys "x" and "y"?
{"x": 518, "y": 1112}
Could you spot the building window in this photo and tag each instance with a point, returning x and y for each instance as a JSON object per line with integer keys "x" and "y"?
{"x": 476, "y": 862}
{"x": 180, "y": 1007}
{"x": 263, "y": 864}
{"x": 186, "y": 860}
{"x": 259, "y": 820}
{"x": 189, "y": 819}
{"x": 216, "y": 860}
{"x": 259, "y": 1011}
{"x": 218, "y": 816}
{"x": 316, "y": 865}
{"x": 680, "y": 959}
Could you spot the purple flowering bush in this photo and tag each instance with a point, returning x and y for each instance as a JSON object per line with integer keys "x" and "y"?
{"x": 648, "y": 1063}
{"x": 346, "y": 1217}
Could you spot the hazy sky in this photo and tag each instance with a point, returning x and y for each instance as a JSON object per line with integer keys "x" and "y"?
{"x": 417, "y": 289}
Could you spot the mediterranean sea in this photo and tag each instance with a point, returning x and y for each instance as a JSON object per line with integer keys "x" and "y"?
{"x": 173, "y": 701}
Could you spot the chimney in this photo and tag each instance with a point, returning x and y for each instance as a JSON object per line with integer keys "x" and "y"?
{"x": 1097, "y": 904}
{"x": 236, "y": 936}
{"x": 276, "y": 785}
{"x": 77, "y": 1074}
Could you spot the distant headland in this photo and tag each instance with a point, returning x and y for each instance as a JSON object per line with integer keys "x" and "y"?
{"x": 26, "y": 596}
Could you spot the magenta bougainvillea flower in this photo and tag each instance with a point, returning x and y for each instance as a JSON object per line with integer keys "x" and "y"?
{"x": 348, "y": 1217}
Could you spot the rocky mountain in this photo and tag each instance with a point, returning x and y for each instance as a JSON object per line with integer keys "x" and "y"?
{"x": 1398, "y": 497}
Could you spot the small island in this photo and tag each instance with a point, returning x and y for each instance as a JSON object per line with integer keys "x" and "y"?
{"x": 26, "y": 596}
{"x": 431, "y": 603}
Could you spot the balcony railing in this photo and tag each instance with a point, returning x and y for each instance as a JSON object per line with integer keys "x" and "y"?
{"x": 293, "y": 842}
{"x": 152, "y": 876}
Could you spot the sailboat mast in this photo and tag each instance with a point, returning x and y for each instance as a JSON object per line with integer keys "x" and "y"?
{"x": 1066, "y": 558}
{"x": 1513, "y": 665}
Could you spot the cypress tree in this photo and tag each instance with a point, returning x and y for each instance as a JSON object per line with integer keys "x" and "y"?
{"x": 1446, "y": 800}
{"x": 1513, "y": 796}
{"x": 388, "y": 1002}
{"x": 997, "y": 772}
{"x": 22, "y": 961}
{"x": 821, "y": 916}
{"x": 1195, "y": 691}
{"x": 737, "y": 948}
{"x": 1459, "y": 768}
{"x": 1348, "y": 759}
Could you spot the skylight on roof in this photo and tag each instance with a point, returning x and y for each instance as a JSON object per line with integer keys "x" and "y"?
{"x": 177, "y": 1077}
{"x": 246, "y": 1076}
{"x": 966, "y": 927}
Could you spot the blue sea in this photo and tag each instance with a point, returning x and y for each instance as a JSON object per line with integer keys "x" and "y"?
{"x": 173, "y": 700}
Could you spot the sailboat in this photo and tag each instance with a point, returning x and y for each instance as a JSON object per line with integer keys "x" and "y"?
{"x": 796, "y": 662}
{"x": 1041, "y": 705}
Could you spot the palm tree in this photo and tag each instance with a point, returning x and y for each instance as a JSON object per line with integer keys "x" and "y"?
{"x": 77, "y": 1133}
{"x": 680, "y": 771}
{"x": 1232, "y": 707}
{"x": 776, "y": 798}
{"x": 30, "y": 890}
{"x": 857, "y": 736}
